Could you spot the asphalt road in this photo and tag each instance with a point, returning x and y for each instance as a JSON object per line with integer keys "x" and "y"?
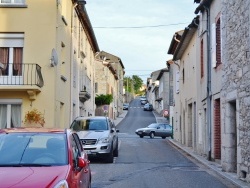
{"x": 149, "y": 163}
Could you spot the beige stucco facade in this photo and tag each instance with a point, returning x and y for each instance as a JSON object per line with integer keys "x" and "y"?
{"x": 52, "y": 37}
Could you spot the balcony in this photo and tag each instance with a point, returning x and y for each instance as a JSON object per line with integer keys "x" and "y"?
{"x": 84, "y": 96}
{"x": 21, "y": 77}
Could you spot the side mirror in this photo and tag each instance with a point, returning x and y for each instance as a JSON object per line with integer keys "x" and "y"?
{"x": 81, "y": 162}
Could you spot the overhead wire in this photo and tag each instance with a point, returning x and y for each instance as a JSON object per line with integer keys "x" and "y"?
{"x": 136, "y": 27}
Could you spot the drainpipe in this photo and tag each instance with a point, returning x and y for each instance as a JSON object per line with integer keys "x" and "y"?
{"x": 208, "y": 85}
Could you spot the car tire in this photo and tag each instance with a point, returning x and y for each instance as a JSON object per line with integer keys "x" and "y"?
{"x": 141, "y": 136}
{"x": 110, "y": 156}
{"x": 152, "y": 135}
{"x": 164, "y": 137}
{"x": 116, "y": 153}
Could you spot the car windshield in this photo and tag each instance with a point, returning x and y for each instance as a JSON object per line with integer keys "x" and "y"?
{"x": 89, "y": 124}
{"x": 33, "y": 149}
{"x": 153, "y": 125}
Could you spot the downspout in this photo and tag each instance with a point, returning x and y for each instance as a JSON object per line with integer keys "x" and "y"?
{"x": 178, "y": 42}
{"x": 71, "y": 61}
{"x": 208, "y": 85}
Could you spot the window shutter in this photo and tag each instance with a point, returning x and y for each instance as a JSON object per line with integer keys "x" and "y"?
{"x": 213, "y": 45}
{"x": 218, "y": 43}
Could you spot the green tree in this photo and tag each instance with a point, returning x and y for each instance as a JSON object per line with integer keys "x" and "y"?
{"x": 137, "y": 83}
{"x": 133, "y": 84}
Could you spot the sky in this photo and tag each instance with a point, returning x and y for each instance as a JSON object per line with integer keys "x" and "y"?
{"x": 139, "y": 32}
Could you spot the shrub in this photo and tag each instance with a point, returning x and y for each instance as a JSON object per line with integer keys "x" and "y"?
{"x": 103, "y": 99}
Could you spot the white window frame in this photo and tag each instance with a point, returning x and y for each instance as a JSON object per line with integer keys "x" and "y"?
{"x": 11, "y": 41}
{"x": 213, "y": 44}
{"x": 12, "y": 2}
{"x": 10, "y": 102}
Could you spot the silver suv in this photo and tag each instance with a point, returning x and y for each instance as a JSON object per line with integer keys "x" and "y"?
{"x": 98, "y": 135}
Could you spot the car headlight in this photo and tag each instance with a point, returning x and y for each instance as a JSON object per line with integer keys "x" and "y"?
{"x": 62, "y": 184}
{"x": 104, "y": 140}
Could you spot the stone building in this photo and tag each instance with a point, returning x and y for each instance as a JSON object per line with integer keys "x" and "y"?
{"x": 109, "y": 74}
{"x": 235, "y": 93}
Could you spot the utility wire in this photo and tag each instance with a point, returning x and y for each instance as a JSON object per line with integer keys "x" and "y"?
{"x": 137, "y": 27}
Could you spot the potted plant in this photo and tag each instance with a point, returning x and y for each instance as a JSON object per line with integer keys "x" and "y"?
{"x": 103, "y": 99}
{"x": 34, "y": 117}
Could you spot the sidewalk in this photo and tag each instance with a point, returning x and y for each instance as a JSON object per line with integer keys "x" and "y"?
{"x": 118, "y": 119}
{"x": 232, "y": 177}
{"x": 216, "y": 167}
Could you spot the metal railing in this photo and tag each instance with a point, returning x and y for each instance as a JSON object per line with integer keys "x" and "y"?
{"x": 21, "y": 74}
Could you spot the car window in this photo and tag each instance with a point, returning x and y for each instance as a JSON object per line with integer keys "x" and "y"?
{"x": 33, "y": 148}
{"x": 75, "y": 149}
{"x": 168, "y": 127}
{"x": 152, "y": 125}
{"x": 162, "y": 126}
{"x": 89, "y": 124}
{"x": 112, "y": 125}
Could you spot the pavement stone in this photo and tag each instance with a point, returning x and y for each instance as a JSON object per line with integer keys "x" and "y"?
{"x": 216, "y": 167}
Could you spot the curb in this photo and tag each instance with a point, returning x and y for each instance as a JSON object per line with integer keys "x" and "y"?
{"x": 232, "y": 177}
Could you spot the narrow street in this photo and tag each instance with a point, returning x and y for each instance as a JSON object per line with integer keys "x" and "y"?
{"x": 146, "y": 162}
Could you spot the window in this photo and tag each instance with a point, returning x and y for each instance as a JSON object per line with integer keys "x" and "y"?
{"x": 76, "y": 148}
{"x": 11, "y": 54}
{"x": 16, "y": 2}
{"x": 10, "y": 113}
{"x": 202, "y": 58}
{"x": 183, "y": 76}
{"x": 218, "y": 43}
{"x": 11, "y": 61}
{"x": 96, "y": 87}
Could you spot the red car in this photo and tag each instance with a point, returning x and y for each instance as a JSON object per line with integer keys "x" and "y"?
{"x": 42, "y": 157}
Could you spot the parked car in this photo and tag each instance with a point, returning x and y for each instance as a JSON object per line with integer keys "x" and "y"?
{"x": 99, "y": 136}
{"x": 41, "y": 157}
{"x": 144, "y": 101}
{"x": 125, "y": 106}
{"x": 143, "y": 98}
{"x": 155, "y": 129}
{"x": 148, "y": 107}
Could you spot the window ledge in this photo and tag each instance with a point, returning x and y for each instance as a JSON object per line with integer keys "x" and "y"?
{"x": 13, "y": 6}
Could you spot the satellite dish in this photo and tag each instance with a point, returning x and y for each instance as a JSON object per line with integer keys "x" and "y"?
{"x": 54, "y": 58}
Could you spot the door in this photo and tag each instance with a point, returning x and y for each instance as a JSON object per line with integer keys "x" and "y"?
{"x": 81, "y": 176}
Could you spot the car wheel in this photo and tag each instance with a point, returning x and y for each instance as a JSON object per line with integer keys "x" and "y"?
{"x": 116, "y": 150}
{"x": 152, "y": 135}
{"x": 163, "y": 137}
{"x": 110, "y": 156}
{"x": 141, "y": 136}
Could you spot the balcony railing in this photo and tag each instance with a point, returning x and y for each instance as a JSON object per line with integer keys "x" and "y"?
{"x": 21, "y": 74}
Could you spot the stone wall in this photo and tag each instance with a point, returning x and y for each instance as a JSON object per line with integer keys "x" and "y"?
{"x": 235, "y": 103}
